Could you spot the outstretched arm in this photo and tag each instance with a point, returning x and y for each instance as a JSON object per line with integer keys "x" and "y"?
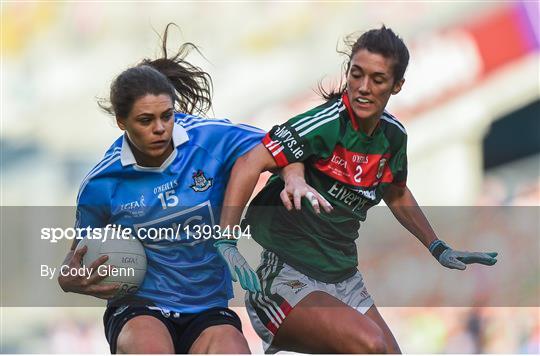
{"x": 406, "y": 210}
{"x": 244, "y": 177}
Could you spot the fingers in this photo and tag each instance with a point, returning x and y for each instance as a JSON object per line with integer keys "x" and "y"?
{"x": 313, "y": 201}
{"x": 245, "y": 279}
{"x": 487, "y": 262}
{"x": 256, "y": 283}
{"x": 242, "y": 278}
{"x": 78, "y": 255}
{"x": 98, "y": 262}
{"x": 97, "y": 277}
{"x": 452, "y": 259}
{"x": 487, "y": 259}
{"x": 297, "y": 197}
{"x": 234, "y": 275}
{"x": 248, "y": 279}
{"x": 457, "y": 265}
{"x": 325, "y": 203}
{"x": 104, "y": 291}
{"x": 286, "y": 200}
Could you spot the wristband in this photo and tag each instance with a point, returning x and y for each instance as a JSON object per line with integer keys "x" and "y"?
{"x": 437, "y": 247}
{"x": 226, "y": 241}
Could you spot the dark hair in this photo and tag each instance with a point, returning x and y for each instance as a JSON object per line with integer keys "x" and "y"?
{"x": 382, "y": 41}
{"x": 189, "y": 87}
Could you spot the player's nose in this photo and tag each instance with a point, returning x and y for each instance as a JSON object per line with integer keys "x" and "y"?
{"x": 363, "y": 86}
{"x": 159, "y": 128}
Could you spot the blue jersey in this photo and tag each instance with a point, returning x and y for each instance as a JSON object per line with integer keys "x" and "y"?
{"x": 183, "y": 274}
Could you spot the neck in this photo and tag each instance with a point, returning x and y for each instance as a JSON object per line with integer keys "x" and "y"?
{"x": 368, "y": 126}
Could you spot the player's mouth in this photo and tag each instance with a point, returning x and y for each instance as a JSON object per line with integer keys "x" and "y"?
{"x": 159, "y": 144}
{"x": 363, "y": 102}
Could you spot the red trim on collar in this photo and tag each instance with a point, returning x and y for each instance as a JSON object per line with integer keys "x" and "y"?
{"x": 346, "y": 102}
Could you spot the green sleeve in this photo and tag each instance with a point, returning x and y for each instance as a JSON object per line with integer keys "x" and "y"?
{"x": 311, "y": 134}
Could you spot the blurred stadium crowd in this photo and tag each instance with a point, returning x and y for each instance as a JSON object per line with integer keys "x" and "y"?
{"x": 417, "y": 330}
{"x": 471, "y": 105}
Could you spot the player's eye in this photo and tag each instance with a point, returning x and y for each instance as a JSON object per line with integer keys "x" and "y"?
{"x": 168, "y": 115}
{"x": 378, "y": 80}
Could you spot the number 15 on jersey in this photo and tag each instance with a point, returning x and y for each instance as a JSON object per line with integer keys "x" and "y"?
{"x": 168, "y": 199}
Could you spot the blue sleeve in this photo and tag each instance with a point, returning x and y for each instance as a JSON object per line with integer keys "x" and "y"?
{"x": 229, "y": 142}
{"x": 223, "y": 139}
{"x": 92, "y": 205}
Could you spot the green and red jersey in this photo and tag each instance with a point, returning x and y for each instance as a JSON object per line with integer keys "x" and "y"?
{"x": 349, "y": 168}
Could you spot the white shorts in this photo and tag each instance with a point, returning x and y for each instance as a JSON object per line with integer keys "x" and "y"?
{"x": 283, "y": 287}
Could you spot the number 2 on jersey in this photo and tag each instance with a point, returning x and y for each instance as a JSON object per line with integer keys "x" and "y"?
{"x": 358, "y": 175}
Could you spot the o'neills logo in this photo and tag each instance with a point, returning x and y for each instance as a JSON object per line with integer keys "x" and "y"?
{"x": 295, "y": 284}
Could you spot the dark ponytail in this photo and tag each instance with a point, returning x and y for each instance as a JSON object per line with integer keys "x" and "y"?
{"x": 189, "y": 87}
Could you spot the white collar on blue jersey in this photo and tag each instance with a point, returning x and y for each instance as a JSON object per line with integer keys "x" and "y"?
{"x": 179, "y": 136}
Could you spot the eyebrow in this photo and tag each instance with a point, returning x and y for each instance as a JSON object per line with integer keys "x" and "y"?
{"x": 354, "y": 66}
{"x": 152, "y": 114}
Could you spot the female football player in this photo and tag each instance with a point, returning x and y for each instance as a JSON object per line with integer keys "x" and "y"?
{"x": 313, "y": 298}
{"x": 169, "y": 169}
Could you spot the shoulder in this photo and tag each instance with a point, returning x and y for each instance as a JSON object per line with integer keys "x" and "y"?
{"x": 95, "y": 182}
{"x": 202, "y": 129}
{"x": 391, "y": 123}
{"x": 189, "y": 122}
{"x": 325, "y": 118}
{"x": 393, "y": 129}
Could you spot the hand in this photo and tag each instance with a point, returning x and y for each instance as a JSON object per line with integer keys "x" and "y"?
{"x": 298, "y": 188}
{"x": 238, "y": 266}
{"x": 82, "y": 284}
{"x": 458, "y": 259}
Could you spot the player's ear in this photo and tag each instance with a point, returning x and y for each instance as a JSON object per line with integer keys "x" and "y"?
{"x": 397, "y": 86}
{"x": 121, "y": 123}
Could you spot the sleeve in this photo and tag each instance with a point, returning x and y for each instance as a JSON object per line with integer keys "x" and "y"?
{"x": 234, "y": 141}
{"x": 398, "y": 164}
{"x": 92, "y": 206}
{"x": 313, "y": 133}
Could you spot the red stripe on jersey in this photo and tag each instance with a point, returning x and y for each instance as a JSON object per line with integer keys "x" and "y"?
{"x": 276, "y": 150}
{"x": 271, "y": 327}
{"x": 347, "y": 103}
{"x": 356, "y": 169}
